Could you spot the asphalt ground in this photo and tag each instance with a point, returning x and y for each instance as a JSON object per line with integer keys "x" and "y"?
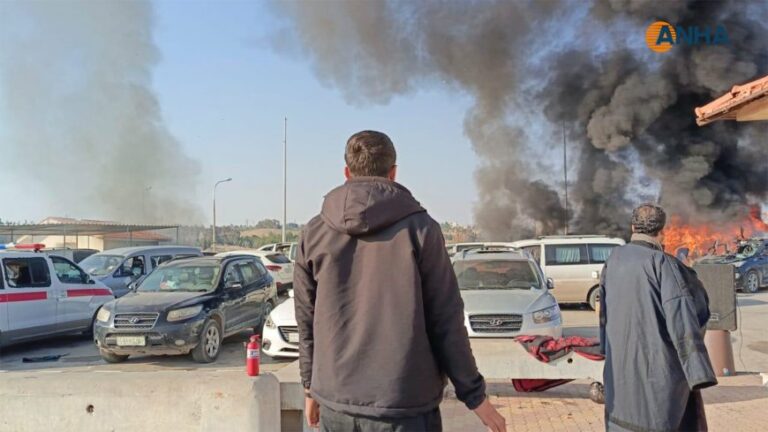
{"x": 750, "y": 345}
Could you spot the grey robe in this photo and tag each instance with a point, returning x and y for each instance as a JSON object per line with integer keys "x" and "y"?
{"x": 652, "y": 317}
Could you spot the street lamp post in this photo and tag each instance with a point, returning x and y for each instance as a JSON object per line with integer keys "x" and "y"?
{"x": 213, "y": 229}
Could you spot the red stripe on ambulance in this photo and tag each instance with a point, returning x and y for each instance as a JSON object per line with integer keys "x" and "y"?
{"x": 83, "y": 292}
{"x": 20, "y": 297}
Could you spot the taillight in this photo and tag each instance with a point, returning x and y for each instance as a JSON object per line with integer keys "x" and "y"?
{"x": 274, "y": 267}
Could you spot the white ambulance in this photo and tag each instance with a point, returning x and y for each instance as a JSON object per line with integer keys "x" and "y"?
{"x": 45, "y": 295}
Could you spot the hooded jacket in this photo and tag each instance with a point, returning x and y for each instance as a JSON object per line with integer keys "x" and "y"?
{"x": 380, "y": 316}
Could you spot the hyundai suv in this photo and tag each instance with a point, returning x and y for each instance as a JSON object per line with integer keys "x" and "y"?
{"x": 505, "y": 294}
{"x": 188, "y": 305}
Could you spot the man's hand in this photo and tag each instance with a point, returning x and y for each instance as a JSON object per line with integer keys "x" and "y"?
{"x": 312, "y": 412}
{"x": 490, "y": 417}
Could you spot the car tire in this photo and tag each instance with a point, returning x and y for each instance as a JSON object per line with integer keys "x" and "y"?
{"x": 268, "y": 308}
{"x": 592, "y": 297}
{"x": 89, "y": 331}
{"x": 210, "y": 343}
{"x": 752, "y": 282}
{"x": 110, "y": 357}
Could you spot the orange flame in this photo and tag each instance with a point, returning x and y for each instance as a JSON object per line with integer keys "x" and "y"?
{"x": 711, "y": 238}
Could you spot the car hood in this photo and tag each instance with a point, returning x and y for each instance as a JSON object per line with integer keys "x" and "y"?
{"x": 284, "y": 314}
{"x": 505, "y": 300}
{"x": 156, "y": 301}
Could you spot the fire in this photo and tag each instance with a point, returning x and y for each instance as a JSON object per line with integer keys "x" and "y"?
{"x": 715, "y": 238}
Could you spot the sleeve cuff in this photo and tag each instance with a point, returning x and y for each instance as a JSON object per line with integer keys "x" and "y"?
{"x": 475, "y": 402}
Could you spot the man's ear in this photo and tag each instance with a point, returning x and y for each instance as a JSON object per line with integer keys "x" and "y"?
{"x": 392, "y": 173}
{"x": 347, "y": 174}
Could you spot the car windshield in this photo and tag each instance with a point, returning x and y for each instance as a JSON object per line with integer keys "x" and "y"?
{"x": 200, "y": 278}
{"x": 495, "y": 274}
{"x": 100, "y": 265}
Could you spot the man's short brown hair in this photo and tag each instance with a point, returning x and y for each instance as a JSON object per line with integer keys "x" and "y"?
{"x": 370, "y": 154}
{"x": 648, "y": 219}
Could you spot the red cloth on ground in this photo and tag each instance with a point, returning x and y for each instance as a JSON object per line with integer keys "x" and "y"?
{"x": 545, "y": 349}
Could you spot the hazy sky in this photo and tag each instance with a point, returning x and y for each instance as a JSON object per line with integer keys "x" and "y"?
{"x": 224, "y": 90}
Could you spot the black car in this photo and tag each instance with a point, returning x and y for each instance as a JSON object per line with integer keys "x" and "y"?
{"x": 187, "y": 305}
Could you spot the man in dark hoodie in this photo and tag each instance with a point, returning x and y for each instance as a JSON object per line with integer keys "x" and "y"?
{"x": 652, "y": 317}
{"x": 380, "y": 317}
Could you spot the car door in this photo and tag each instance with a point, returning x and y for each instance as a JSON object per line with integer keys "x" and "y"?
{"x": 77, "y": 292}
{"x": 232, "y": 298}
{"x": 132, "y": 269}
{"x": 568, "y": 265}
{"x": 255, "y": 293}
{"x": 30, "y": 297}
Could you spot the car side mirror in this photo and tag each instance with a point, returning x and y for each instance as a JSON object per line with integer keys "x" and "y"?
{"x": 550, "y": 284}
{"x": 132, "y": 286}
{"x": 290, "y": 293}
{"x": 234, "y": 285}
{"x": 89, "y": 280}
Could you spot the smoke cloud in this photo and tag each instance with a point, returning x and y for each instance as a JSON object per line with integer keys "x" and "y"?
{"x": 75, "y": 82}
{"x": 628, "y": 112}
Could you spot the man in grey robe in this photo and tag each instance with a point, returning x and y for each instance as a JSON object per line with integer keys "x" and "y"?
{"x": 652, "y": 317}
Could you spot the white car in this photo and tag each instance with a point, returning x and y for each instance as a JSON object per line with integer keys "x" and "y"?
{"x": 287, "y": 249}
{"x": 505, "y": 294}
{"x": 279, "y": 266}
{"x": 280, "y": 337}
{"x": 46, "y": 295}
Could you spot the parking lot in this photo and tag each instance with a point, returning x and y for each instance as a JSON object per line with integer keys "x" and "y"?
{"x": 750, "y": 345}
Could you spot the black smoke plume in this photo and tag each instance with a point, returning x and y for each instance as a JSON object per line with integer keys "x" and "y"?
{"x": 581, "y": 66}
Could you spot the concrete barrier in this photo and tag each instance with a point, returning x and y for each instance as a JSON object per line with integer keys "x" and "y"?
{"x": 196, "y": 400}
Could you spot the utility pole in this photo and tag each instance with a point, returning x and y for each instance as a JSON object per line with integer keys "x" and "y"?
{"x": 565, "y": 176}
{"x": 213, "y": 228}
{"x": 285, "y": 172}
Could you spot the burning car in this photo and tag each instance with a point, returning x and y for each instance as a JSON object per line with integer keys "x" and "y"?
{"x": 750, "y": 262}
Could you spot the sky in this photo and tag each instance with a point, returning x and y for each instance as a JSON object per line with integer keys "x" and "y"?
{"x": 223, "y": 92}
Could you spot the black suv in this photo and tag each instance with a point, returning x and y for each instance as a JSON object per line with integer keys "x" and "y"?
{"x": 187, "y": 305}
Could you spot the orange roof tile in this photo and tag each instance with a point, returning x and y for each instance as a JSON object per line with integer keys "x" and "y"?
{"x": 743, "y": 103}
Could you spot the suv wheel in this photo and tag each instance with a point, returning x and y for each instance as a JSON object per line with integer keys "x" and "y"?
{"x": 110, "y": 357}
{"x": 593, "y": 297}
{"x": 268, "y": 307}
{"x": 752, "y": 282}
{"x": 210, "y": 343}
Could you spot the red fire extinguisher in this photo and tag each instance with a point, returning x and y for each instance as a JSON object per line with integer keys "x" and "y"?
{"x": 252, "y": 356}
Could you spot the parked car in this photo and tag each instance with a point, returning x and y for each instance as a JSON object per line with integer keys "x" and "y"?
{"x": 281, "y": 334}
{"x": 188, "y": 305}
{"x": 287, "y": 249}
{"x": 74, "y": 255}
{"x": 45, "y": 295}
{"x": 455, "y": 248}
{"x": 279, "y": 266}
{"x": 505, "y": 294}
{"x": 574, "y": 263}
{"x": 750, "y": 262}
{"x": 118, "y": 268}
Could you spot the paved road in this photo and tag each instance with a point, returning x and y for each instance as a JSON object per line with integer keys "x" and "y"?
{"x": 750, "y": 345}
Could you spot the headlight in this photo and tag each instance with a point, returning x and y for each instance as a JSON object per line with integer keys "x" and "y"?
{"x": 546, "y": 315}
{"x": 184, "y": 313}
{"x": 270, "y": 323}
{"x": 737, "y": 275}
{"x": 103, "y": 315}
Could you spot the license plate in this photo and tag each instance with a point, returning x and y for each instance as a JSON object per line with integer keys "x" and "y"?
{"x": 131, "y": 341}
{"x": 293, "y": 337}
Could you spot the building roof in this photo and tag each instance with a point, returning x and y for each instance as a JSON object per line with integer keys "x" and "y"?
{"x": 84, "y": 227}
{"x": 746, "y": 102}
